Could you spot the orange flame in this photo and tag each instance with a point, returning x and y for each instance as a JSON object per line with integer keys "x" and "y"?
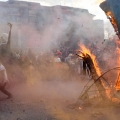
{"x": 118, "y": 62}
{"x": 112, "y": 20}
{"x": 117, "y": 86}
{"x": 87, "y": 51}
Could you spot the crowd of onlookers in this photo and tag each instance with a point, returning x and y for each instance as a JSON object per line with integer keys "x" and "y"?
{"x": 56, "y": 63}
{"x": 30, "y": 64}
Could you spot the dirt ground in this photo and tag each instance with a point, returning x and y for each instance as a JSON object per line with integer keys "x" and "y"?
{"x": 51, "y": 100}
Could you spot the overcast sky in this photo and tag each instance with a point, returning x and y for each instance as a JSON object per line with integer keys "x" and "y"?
{"x": 91, "y": 5}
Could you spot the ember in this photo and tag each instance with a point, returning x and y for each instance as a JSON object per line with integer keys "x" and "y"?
{"x": 80, "y": 108}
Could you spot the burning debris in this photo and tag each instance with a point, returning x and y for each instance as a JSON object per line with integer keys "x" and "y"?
{"x": 93, "y": 70}
{"x": 100, "y": 87}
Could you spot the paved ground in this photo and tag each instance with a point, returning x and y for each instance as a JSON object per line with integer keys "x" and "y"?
{"x": 51, "y": 100}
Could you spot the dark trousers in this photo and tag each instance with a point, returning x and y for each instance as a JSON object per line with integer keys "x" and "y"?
{"x": 84, "y": 68}
{"x": 3, "y": 89}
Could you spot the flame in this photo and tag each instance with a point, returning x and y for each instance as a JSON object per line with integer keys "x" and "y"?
{"x": 117, "y": 86}
{"x": 112, "y": 20}
{"x": 93, "y": 57}
{"x": 118, "y": 62}
{"x": 87, "y": 51}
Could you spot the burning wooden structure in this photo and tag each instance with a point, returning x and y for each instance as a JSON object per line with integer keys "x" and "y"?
{"x": 104, "y": 92}
{"x": 112, "y": 10}
{"x": 90, "y": 66}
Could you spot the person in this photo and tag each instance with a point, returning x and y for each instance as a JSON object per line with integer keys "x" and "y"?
{"x": 68, "y": 59}
{"x": 4, "y": 81}
{"x": 87, "y": 63}
{"x": 5, "y": 48}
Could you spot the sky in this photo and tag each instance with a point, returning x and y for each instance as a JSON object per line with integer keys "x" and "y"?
{"x": 91, "y": 5}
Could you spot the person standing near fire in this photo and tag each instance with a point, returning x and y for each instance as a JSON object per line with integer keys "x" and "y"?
{"x": 4, "y": 81}
{"x": 5, "y": 50}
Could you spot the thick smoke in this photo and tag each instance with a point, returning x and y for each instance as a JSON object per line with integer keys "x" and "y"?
{"x": 46, "y": 29}
{"x": 56, "y": 25}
